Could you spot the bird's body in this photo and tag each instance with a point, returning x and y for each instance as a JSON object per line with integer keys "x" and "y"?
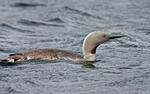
{"x": 45, "y": 54}
{"x": 91, "y": 42}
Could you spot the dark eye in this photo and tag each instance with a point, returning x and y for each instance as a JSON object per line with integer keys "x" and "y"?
{"x": 104, "y": 36}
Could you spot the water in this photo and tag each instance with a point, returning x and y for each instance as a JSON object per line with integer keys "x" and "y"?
{"x": 122, "y": 65}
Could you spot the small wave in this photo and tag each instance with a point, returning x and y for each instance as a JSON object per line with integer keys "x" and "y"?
{"x": 129, "y": 45}
{"x": 56, "y": 20}
{"x": 134, "y": 65}
{"x": 2, "y": 50}
{"x": 31, "y": 82}
{"x": 146, "y": 30}
{"x": 5, "y": 50}
{"x": 20, "y": 4}
{"x": 148, "y": 33}
{"x": 29, "y": 23}
{"x": 12, "y": 90}
{"x": 112, "y": 72}
{"x": 15, "y": 28}
{"x": 125, "y": 68}
{"x": 35, "y": 23}
{"x": 82, "y": 13}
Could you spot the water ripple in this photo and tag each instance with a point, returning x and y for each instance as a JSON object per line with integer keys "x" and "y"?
{"x": 82, "y": 13}
{"x": 23, "y": 4}
{"x": 15, "y": 28}
{"x": 124, "y": 68}
{"x": 35, "y": 23}
{"x": 12, "y": 90}
{"x": 58, "y": 20}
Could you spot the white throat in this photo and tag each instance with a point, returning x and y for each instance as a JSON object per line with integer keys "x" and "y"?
{"x": 87, "y": 47}
{"x": 89, "y": 57}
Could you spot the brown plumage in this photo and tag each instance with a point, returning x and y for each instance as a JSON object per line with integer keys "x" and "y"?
{"x": 44, "y": 54}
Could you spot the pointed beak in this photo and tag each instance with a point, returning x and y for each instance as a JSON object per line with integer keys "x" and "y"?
{"x": 115, "y": 36}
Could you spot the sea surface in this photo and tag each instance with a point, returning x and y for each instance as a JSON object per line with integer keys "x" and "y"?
{"x": 122, "y": 65}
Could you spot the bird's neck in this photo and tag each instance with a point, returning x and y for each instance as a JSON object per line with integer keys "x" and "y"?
{"x": 89, "y": 51}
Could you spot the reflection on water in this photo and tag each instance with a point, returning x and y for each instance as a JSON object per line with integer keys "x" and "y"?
{"x": 88, "y": 64}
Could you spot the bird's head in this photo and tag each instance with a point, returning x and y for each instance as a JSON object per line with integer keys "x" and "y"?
{"x": 94, "y": 39}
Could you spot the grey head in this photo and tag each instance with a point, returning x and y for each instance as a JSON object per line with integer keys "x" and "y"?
{"x": 92, "y": 41}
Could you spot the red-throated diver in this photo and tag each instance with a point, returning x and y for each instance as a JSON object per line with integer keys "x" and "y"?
{"x": 91, "y": 42}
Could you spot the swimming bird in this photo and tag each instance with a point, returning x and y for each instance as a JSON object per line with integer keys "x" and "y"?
{"x": 90, "y": 43}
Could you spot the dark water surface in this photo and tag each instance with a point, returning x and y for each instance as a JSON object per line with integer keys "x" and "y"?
{"x": 122, "y": 67}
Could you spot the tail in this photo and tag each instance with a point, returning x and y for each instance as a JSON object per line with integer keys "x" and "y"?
{"x": 9, "y": 60}
{"x": 14, "y": 58}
